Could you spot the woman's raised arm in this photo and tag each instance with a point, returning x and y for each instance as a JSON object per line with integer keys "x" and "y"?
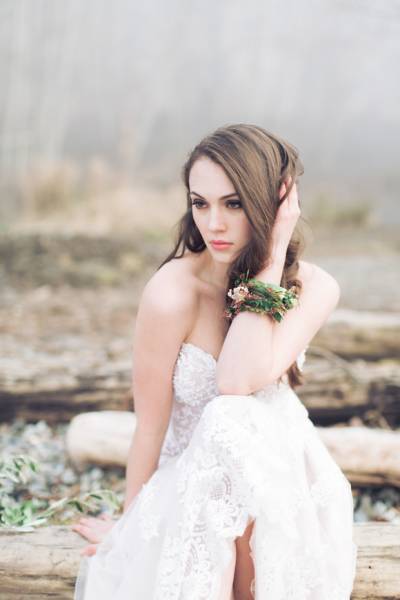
{"x": 258, "y": 350}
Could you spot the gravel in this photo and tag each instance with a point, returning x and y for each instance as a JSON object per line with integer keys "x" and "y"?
{"x": 58, "y": 478}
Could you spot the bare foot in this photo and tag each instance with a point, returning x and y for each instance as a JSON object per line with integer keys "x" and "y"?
{"x": 93, "y": 529}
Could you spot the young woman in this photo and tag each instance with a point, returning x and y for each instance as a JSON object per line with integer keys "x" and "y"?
{"x": 230, "y": 493}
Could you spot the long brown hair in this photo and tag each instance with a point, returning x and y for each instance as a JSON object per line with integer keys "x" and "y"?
{"x": 257, "y": 162}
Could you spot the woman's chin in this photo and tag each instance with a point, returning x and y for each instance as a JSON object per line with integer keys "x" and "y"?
{"x": 224, "y": 259}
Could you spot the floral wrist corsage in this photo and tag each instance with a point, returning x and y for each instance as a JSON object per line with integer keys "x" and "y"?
{"x": 256, "y": 296}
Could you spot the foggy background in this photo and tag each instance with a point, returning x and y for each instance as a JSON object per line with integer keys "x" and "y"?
{"x": 103, "y": 98}
{"x": 100, "y": 105}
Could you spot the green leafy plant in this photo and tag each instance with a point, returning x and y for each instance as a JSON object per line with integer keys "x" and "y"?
{"x": 28, "y": 514}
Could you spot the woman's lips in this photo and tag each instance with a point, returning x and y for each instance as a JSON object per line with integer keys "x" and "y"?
{"x": 221, "y": 245}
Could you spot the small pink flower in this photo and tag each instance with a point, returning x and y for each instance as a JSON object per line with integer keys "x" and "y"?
{"x": 239, "y": 293}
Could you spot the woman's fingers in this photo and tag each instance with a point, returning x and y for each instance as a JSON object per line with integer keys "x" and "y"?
{"x": 89, "y": 550}
{"x": 86, "y": 532}
{"x": 92, "y": 528}
{"x": 291, "y": 203}
{"x": 284, "y": 187}
{"x": 293, "y": 196}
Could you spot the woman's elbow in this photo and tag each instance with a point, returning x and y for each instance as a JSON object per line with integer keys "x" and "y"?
{"x": 233, "y": 384}
{"x": 230, "y": 390}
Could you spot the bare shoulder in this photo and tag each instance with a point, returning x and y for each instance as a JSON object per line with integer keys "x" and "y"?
{"x": 315, "y": 278}
{"x": 165, "y": 315}
{"x": 163, "y": 320}
{"x": 171, "y": 289}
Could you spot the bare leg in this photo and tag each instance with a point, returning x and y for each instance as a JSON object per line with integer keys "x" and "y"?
{"x": 244, "y": 570}
{"x": 227, "y": 582}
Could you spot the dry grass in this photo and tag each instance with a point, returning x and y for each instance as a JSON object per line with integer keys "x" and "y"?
{"x": 326, "y": 210}
{"x": 59, "y": 196}
{"x": 97, "y": 199}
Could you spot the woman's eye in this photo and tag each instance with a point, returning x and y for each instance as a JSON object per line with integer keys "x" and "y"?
{"x": 200, "y": 203}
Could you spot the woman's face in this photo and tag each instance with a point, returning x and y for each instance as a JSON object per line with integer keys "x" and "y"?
{"x": 217, "y": 210}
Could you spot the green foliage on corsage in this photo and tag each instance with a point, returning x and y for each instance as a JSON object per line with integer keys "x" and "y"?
{"x": 256, "y": 296}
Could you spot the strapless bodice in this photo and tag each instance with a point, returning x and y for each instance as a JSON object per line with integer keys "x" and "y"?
{"x": 194, "y": 385}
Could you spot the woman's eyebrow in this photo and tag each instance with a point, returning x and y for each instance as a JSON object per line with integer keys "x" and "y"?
{"x": 222, "y": 197}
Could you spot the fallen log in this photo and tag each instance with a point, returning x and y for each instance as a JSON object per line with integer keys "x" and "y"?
{"x": 361, "y": 334}
{"x": 75, "y": 375}
{"x": 378, "y": 561}
{"x": 367, "y": 456}
{"x": 59, "y": 406}
{"x": 63, "y": 378}
{"x": 333, "y": 392}
{"x": 101, "y": 438}
{"x": 44, "y": 563}
{"x": 330, "y": 399}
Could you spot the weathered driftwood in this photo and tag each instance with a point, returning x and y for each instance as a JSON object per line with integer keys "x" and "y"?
{"x": 378, "y": 561}
{"x": 101, "y": 438}
{"x": 55, "y": 385}
{"x": 63, "y": 377}
{"x": 361, "y": 334}
{"x": 58, "y": 406}
{"x": 39, "y": 565}
{"x": 333, "y": 392}
{"x": 366, "y": 455}
{"x": 43, "y": 564}
{"x": 335, "y": 389}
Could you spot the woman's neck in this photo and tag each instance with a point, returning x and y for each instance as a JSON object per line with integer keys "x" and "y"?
{"x": 212, "y": 272}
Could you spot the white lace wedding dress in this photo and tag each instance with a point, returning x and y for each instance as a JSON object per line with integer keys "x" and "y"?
{"x": 226, "y": 460}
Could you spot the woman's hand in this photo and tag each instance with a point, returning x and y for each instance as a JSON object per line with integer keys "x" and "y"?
{"x": 286, "y": 219}
{"x": 93, "y": 529}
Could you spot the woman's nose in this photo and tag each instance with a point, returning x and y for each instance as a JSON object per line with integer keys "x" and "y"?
{"x": 216, "y": 221}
